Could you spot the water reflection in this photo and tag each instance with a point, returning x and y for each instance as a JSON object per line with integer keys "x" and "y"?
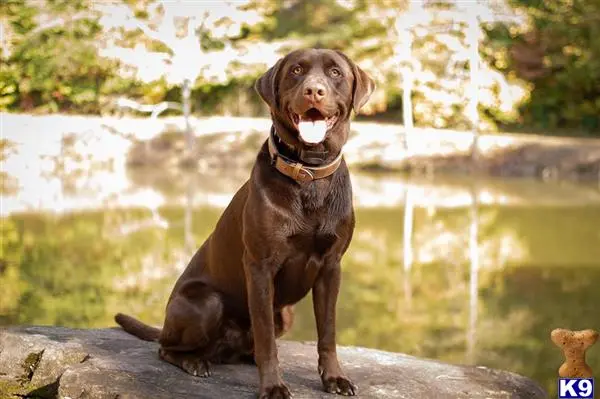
{"x": 408, "y": 247}
{"x": 463, "y": 271}
{"x": 189, "y": 208}
{"x": 473, "y": 277}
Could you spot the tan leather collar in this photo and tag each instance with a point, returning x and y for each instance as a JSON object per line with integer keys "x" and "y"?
{"x": 296, "y": 170}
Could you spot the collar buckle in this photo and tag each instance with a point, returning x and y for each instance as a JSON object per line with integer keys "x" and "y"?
{"x": 301, "y": 174}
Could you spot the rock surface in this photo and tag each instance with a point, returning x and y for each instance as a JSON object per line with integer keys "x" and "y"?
{"x": 52, "y": 362}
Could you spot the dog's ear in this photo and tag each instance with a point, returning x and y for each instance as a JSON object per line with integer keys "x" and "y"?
{"x": 363, "y": 84}
{"x": 363, "y": 88}
{"x": 266, "y": 85}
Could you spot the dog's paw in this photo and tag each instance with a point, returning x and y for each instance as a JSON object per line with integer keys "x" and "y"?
{"x": 339, "y": 385}
{"x": 280, "y": 391}
{"x": 196, "y": 367}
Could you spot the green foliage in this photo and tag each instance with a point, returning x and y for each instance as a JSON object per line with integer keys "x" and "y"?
{"x": 559, "y": 54}
{"x": 317, "y": 23}
{"x": 52, "y": 66}
{"x": 236, "y": 97}
{"x": 549, "y": 73}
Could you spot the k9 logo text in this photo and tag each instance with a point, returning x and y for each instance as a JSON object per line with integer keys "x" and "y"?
{"x": 575, "y": 388}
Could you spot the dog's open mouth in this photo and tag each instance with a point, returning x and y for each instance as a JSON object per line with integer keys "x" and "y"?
{"x": 313, "y": 125}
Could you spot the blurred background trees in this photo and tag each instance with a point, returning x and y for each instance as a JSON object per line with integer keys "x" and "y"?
{"x": 539, "y": 60}
{"x": 49, "y": 59}
{"x": 558, "y": 54}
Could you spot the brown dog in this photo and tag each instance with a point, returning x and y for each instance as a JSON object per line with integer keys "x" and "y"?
{"x": 282, "y": 235}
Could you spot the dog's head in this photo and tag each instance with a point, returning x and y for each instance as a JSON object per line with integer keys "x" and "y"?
{"x": 311, "y": 93}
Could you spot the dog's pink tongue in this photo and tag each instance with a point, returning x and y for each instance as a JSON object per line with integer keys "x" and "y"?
{"x": 312, "y": 132}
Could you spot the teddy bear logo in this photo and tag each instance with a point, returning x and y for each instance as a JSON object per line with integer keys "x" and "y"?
{"x": 574, "y": 344}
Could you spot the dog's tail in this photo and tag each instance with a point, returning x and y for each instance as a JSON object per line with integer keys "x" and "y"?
{"x": 137, "y": 328}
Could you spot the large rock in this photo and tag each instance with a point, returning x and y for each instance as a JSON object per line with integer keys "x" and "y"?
{"x": 108, "y": 363}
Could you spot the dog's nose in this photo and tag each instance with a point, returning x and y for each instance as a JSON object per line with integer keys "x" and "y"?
{"x": 315, "y": 92}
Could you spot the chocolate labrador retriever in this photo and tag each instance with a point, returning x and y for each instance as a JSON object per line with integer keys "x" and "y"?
{"x": 282, "y": 235}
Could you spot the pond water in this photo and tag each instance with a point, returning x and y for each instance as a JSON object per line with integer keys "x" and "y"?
{"x": 473, "y": 272}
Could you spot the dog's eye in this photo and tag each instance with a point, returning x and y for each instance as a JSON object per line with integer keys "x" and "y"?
{"x": 336, "y": 73}
{"x": 297, "y": 70}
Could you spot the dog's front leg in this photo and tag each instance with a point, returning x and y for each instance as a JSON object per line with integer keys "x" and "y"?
{"x": 259, "y": 281}
{"x": 325, "y": 292}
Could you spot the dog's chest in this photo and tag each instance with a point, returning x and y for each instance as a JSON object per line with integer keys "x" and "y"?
{"x": 307, "y": 255}
{"x": 319, "y": 218}
{"x": 308, "y": 252}
{"x": 321, "y": 224}
{"x": 312, "y": 243}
